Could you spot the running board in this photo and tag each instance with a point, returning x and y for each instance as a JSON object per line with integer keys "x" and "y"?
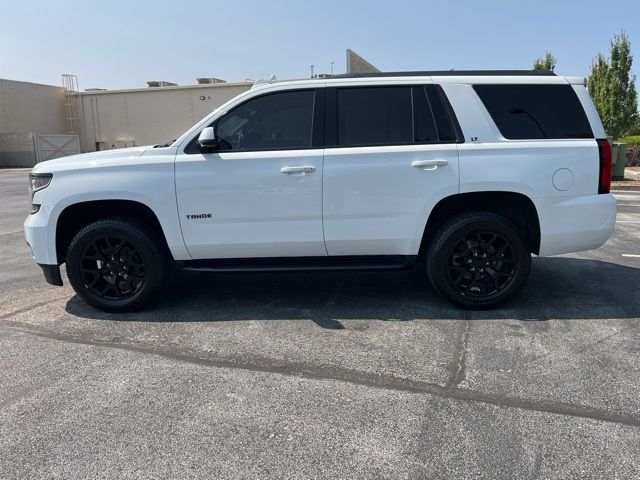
{"x": 300, "y": 264}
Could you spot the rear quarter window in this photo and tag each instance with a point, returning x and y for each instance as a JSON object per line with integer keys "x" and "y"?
{"x": 524, "y": 112}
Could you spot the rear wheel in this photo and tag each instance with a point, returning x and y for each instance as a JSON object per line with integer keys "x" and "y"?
{"x": 116, "y": 265}
{"x": 478, "y": 260}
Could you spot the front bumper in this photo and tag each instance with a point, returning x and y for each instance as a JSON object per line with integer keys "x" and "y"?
{"x": 41, "y": 241}
{"x": 40, "y": 235}
{"x": 51, "y": 274}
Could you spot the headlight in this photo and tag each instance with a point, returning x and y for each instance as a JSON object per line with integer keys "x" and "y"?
{"x": 38, "y": 181}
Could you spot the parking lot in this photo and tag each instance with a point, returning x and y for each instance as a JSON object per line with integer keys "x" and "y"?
{"x": 323, "y": 375}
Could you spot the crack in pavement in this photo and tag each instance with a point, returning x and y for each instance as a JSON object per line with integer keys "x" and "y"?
{"x": 33, "y": 306}
{"x": 11, "y": 233}
{"x": 329, "y": 373}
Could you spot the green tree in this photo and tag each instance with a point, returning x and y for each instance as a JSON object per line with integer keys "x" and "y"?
{"x": 547, "y": 63}
{"x": 612, "y": 88}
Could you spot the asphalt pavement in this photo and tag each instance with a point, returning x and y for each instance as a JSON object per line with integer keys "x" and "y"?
{"x": 323, "y": 375}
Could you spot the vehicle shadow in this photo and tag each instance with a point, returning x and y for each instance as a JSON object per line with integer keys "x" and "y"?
{"x": 559, "y": 288}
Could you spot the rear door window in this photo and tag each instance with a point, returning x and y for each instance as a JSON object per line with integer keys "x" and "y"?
{"x": 523, "y": 112}
{"x": 425, "y": 130}
{"x": 374, "y": 116}
{"x": 446, "y": 131}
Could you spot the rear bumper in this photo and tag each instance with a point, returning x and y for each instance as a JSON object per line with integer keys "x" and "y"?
{"x": 574, "y": 224}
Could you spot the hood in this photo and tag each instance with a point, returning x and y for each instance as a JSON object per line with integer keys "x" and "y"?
{"x": 88, "y": 160}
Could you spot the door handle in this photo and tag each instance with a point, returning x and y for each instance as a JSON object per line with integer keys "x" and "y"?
{"x": 302, "y": 169}
{"x": 429, "y": 164}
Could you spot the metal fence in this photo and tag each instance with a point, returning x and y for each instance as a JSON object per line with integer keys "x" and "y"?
{"x": 26, "y": 149}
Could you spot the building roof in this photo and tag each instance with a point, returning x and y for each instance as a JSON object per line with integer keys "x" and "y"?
{"x": 164, "y": 88}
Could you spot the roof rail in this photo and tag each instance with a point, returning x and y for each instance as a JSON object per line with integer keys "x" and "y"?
{"x": 450, "y": 73}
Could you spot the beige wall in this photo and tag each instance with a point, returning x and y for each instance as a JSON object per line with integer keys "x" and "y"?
{"x": 27, "y": 108}
{"x": 117, "y": 118}
{"x": 31, "y": 107}
{"x": 148, "y": 116}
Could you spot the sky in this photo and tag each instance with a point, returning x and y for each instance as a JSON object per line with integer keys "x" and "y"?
{"x": 122, "y": 44}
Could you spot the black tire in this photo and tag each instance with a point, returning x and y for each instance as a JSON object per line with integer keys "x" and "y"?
{"x": 478, "y": 260}
{"x": 117, "y": 264}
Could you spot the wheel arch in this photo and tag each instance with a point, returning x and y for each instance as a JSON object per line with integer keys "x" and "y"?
{"x": 515, "y": 207}
{"x": 75, "y": 216}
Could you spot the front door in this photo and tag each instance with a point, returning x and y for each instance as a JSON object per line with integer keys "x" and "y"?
{"x": 260, "y": 193}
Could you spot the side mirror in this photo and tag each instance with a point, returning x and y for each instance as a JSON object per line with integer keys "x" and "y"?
{"x": 207, "y": 139}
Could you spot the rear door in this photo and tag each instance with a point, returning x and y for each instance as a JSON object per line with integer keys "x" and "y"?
{"x": 390, "y": 156}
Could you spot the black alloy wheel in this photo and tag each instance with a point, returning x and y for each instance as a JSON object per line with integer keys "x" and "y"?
{"x": 112, "y": 268}
{"x": 481, "y": 264}
{"x": 478, "y": 260}
{"x": 117, "y": 264}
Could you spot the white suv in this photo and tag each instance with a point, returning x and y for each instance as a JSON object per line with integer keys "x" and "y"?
{"x": 464, "y": 173}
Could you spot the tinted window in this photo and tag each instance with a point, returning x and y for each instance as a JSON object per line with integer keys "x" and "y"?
{"x": 374, "y": 116}
{"x": 535, "y": 111}
{"x": 446, "y": 132}
{"x": 271, "y": 122}
{"x": 424, "y": 124}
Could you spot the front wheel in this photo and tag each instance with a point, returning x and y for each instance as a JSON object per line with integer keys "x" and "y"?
{"x": 478, "y": 260}
{"x": 116, "y": 265}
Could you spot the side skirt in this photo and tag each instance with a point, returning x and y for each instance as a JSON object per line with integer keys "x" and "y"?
{"x": 300, "y": 264}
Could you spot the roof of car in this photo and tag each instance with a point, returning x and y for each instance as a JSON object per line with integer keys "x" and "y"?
{"x": 449, "y": 73}
{"x": 442, "y": 76}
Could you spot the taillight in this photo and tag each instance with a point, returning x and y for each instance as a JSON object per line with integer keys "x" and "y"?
{"x": 604, "y": 180}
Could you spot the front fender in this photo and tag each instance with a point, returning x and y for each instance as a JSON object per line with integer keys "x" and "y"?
{"x": 149, "y": 184}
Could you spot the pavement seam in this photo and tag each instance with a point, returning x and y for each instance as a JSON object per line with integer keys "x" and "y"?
{"x": 458, "y": 370}
{"x": 537, "y": 464}
{"x": 329, "y": 373}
